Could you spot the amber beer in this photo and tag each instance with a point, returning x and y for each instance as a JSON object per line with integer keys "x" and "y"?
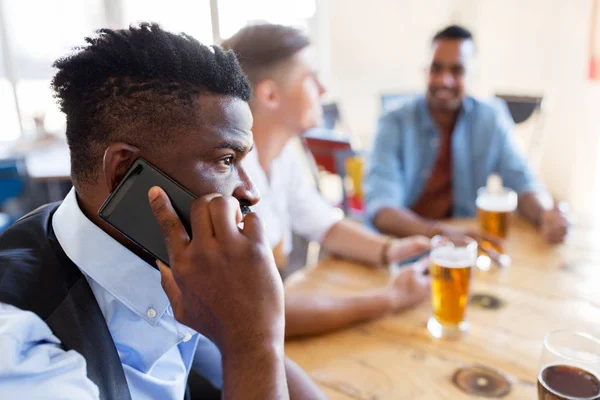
{"x": 495, "y": 209}
{"x": 494, "y": 223}
{"x": 452, "y": 261}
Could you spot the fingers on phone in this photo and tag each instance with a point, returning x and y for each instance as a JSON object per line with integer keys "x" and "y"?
{"x": 254, "y": 228}
{"x": 225, "y": 212}
{"x": 170, "y": 225}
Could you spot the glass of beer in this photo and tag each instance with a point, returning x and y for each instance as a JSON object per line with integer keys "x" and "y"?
{"x": 452, "y": 262}
{"x": 495, "y": 207}
{"x": 569, "y": 367}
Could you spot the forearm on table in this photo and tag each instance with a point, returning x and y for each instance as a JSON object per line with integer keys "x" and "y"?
{"x": 310, "y": 314}
{"x": 401, "y": 222}
{"x": 355, "y": 242}
{"x": 255, "y": 373}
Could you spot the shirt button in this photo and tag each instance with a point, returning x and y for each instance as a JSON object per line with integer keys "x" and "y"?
{"x": 426, "y": 174}
{"x": 187, "y": 337}
{"x": 434, "y": 142}
{"x": 151, "y": 313}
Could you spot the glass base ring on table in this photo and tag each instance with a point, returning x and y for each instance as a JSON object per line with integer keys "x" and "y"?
{"x": 484, "y": 261}
{"x": 451, "y": 331}
{"x": 452, "y": 262}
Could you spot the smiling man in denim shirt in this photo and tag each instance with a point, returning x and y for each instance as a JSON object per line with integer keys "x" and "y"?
{"x": 431, "y": 155}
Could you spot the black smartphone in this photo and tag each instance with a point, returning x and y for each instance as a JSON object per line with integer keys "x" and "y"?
{"x": 127, "y": 209}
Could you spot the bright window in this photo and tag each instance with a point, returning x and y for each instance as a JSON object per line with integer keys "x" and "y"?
{"x": 39, "y": 32}
{"x": 9, "y": 128}
{"x": 235, "y": 14}
{"x": 189, "y": 16}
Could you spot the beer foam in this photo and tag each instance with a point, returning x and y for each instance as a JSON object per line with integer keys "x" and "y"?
{"x": 504, "y": 202}
{"x": 494, "y": 184}
{"x": 450, "y": 257}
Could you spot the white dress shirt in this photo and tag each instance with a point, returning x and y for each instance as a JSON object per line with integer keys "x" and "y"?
{"x": 289, "y": 200}
{"x": 156, "y": 351}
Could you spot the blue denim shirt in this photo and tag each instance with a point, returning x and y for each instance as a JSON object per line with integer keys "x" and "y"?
{"x": 407, "y": 144}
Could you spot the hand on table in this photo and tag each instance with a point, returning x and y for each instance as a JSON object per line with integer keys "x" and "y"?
{"x": 554, "y": 225}
{"x": 223, "y": 283}
{"x": 404, "y": 249}
{"x": 409, "y": 286}
{"x": 450, "y": 231}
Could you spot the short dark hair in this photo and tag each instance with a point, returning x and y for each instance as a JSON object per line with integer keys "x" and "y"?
{"x": 261, "y": 47}
{"x": 138, "y": 85}
{"x": 453, "y": 32}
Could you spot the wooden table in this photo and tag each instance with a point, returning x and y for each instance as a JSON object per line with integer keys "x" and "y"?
{"x": 395, "y": 357}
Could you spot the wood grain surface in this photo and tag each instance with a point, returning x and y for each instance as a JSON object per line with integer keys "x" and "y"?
{"x": 546, "y": 288}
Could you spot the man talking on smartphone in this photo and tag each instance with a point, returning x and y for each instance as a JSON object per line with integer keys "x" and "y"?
{"x": 82, "y": 315}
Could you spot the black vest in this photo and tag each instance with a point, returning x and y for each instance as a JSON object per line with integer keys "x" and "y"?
{"x": 36, "y": 275}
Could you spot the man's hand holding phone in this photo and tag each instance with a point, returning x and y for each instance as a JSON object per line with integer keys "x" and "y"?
{"x": 223, "y": 283}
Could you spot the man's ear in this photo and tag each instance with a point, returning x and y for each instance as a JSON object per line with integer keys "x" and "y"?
{"x": 267, "y": 94}
{"x": 118, "y": 157}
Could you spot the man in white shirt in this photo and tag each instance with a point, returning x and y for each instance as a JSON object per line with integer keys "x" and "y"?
{"x": 82, "y": 313}
{"x": 285, "y": 103}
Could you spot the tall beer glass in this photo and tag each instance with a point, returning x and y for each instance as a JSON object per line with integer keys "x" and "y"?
{"x": 495, "y": 207}
{"x": 452, "y": 262}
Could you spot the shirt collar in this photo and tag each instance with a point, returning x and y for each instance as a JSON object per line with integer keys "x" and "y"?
{"x": 261, "y": 178}
{"x": 252, "y": 163}
{"x": 425, "y": 119}
{"x": 114, "y": 267}
{"x": 270, "y": 199}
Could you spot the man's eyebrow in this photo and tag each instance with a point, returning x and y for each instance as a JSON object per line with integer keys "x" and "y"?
{"x": 235, "y": 146}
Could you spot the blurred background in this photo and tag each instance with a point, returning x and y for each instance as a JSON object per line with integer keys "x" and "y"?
{"x": 537, "y": 54}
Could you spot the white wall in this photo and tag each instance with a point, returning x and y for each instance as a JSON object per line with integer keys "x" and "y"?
{"x": 379, "y": 46}
{"x": 541, "y": 46}
{"x": 524, "y": 47}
